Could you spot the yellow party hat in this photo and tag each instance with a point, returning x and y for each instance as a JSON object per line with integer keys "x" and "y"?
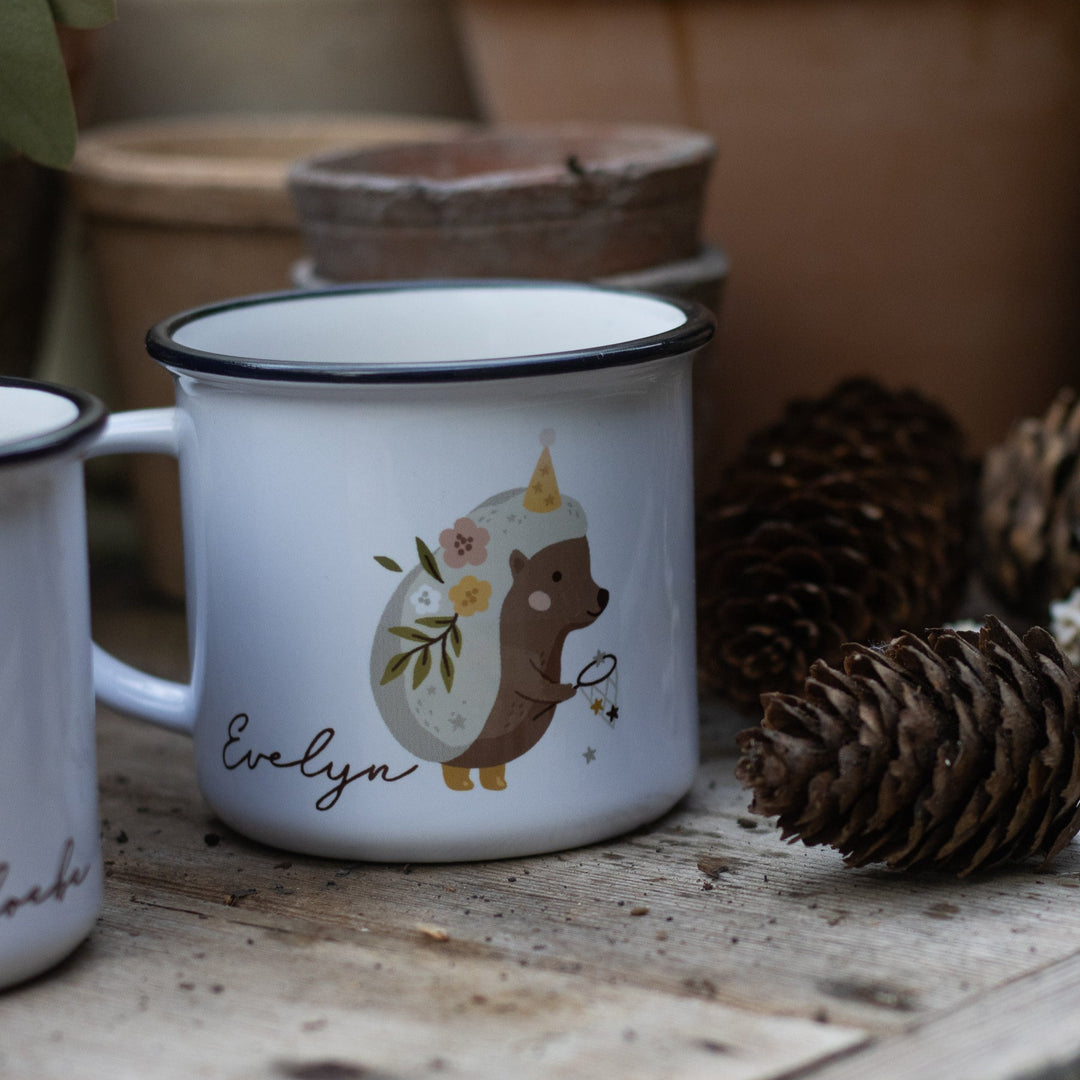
{"x": 542, "y": 495}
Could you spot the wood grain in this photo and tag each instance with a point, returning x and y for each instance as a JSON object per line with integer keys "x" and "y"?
{"x": 699, "y": 946}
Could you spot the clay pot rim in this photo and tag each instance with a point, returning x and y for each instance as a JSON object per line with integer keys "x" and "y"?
{"x": 578, "y": 157}
{"x": 225, "y": 147}
{"x": 169, "y": 169}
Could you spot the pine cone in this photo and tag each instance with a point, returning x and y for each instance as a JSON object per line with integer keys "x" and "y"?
{"x": 958, "y": 752}
{"x": 846, "y": 521}
{"x": 1029, "y": 503}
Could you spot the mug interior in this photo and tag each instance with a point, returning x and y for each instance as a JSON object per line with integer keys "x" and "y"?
{"x": 408, "y": 330}
{"x": 26, "y": 413}
{"x": 40, "y": 418}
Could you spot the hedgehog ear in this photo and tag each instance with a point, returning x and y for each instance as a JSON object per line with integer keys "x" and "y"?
{"x": 517, "y": 562}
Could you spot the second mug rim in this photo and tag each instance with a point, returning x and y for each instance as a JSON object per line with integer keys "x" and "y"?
{"x": 52, "y": 436}
{"x": 695, "y": 330}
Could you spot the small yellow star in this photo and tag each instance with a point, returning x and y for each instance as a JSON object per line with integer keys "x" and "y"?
{"x": 597, "y": 706}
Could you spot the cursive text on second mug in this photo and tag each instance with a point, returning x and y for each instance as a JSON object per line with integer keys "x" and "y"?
{"x": 233, "y": 757}
{"x": 65, "y": 877}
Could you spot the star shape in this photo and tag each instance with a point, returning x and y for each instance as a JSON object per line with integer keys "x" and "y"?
{"x": 589, "y": 755}
{"x": 613, "y": 713}
{"x": 597, "y": 706}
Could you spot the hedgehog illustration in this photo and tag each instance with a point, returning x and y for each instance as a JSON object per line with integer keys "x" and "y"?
{"x": 466, "y": 665}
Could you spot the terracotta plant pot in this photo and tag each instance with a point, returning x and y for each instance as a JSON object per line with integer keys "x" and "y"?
{"x": 185, "y": 212}
{"x": 577, "y": 201}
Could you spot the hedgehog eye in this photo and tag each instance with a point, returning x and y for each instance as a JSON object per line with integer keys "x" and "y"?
{"x": 557, "y": 576}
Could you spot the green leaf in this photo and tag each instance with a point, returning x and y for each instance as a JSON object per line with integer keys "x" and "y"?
{"x": 410, "y": 633}
{"x": 446, "y": 669}
{"x": 37, "y": 116}
{"x": 83, "y": 14}
{"x": 385, "y": 560}
{"x": 427, "y": 560}
{"x": 437, "y": 620}
{"x": 423, "y": 666}
{"x": 395, "y": 668}
{"x": 455, "y": 639}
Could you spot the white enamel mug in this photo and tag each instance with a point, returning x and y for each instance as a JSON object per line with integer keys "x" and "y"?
{"x": 50, "y": 851}
{"x": 439, "y": 563}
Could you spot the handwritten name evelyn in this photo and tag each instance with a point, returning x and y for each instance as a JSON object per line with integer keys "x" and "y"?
{"x": 66, "y": 877}
{"x": 312, "y": 763}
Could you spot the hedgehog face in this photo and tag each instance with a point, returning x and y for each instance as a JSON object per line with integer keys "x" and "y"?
{"x": 556, "y": 585}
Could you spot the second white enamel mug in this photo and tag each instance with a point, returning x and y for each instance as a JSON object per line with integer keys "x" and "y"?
{"x": 51, "y": 878}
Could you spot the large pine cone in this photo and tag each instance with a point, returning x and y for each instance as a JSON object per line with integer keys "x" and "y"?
{"x": 846, "y": 521}
{"x": 958, "y": 752}
{"x": 1030, "y": 510}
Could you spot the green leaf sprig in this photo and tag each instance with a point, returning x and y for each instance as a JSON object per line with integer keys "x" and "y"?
{"x": 447, "y": 642}
{"x": 37, "y": 114}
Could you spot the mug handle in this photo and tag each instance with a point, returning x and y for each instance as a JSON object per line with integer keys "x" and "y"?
{"x": 123, "y": 687}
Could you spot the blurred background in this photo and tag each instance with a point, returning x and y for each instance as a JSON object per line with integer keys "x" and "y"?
{"x": 896, "y": 191}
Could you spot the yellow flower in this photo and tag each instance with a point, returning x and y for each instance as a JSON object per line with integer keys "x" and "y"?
{"x": 470, "y": 595}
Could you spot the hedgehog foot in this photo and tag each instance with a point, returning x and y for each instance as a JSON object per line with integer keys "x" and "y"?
{"x": 457, "y": 779}
{"x": 494, "y": 779}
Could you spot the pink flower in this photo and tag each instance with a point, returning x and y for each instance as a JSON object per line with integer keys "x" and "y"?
{"x": 465, "y": 543}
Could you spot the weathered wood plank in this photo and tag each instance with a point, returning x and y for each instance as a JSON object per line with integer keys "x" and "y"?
{"x": 779, "y": 928}
{"x": 167, "y": 992}
{"x": 765, "y": 928}
{"x": 1028, "y": 1028}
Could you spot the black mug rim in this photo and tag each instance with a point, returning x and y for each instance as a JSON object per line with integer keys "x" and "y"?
{"x": 88, "y": 421}
{"x": 696, "y": 331}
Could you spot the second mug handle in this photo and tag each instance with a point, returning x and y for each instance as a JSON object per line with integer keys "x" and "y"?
{"x": 123, "y": 687}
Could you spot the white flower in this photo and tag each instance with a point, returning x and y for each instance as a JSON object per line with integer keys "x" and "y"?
{"x": 425, "y": 600}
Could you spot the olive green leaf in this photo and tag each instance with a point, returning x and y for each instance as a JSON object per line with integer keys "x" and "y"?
{"x": 455, "y": 639}
{"x": 395, "y": 668}
{"x": 410, "y": 633}
{"x": 438, "y": 621}
{"x": 386, "y": 561}
{"x": 422, "y": 667}
{"x": 37, "y": 117}
{"x": 427, "y": 560}
{"x": 446, "y": 669}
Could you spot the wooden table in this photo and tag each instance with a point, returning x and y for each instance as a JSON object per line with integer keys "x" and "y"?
{"x": 701, "y": 946}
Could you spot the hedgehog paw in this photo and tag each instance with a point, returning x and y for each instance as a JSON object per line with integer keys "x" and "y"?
{"x": 456, "y": 779}
{"x": 494, "y": 779}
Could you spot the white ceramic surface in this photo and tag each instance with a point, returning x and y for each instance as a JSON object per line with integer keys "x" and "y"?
{"x": 50, "y": 855}
{"x": 416, "y": 514}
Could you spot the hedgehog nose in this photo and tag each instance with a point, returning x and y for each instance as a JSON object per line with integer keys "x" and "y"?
{"x": 602, "y": 598}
